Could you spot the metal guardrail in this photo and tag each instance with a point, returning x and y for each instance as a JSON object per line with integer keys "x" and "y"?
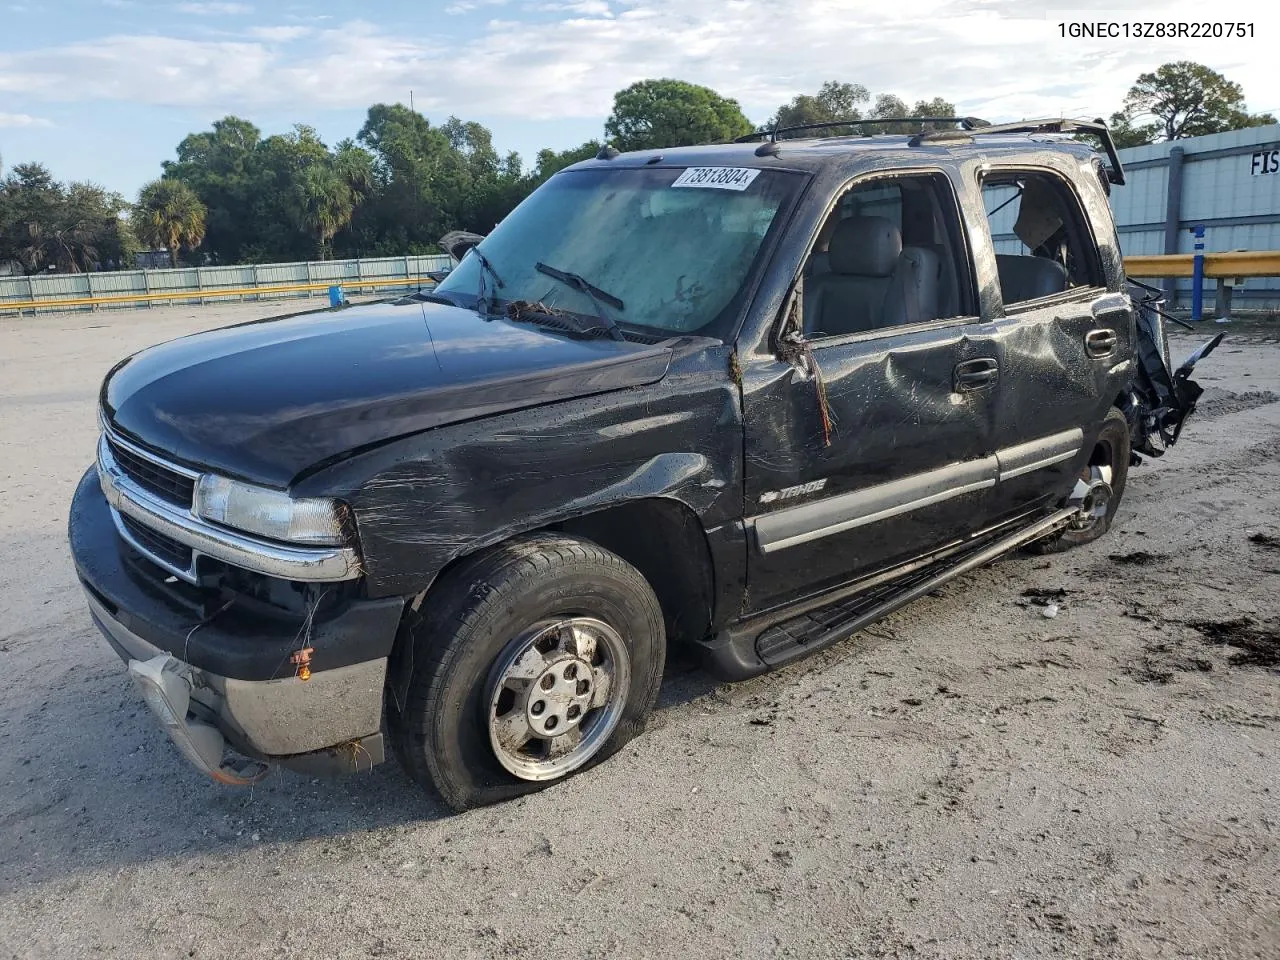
{"x": 1251, "y": 263}
{"x": 133, "y": 288}
{"x": 203, "y": 295}
{"x": 1224, "y": 267}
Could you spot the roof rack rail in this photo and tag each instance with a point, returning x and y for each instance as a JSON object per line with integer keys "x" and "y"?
{"x": 966, "y": 123}
{"x": 1049, "y": 125}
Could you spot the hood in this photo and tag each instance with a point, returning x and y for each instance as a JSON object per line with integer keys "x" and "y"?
{"x": 456, "y": 243}
{"x": 267, "y": 400}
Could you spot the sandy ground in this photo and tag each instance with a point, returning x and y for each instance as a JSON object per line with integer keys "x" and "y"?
{"x": 966, "y": 779}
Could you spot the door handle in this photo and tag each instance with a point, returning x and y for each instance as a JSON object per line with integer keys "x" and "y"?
{"x": 976, "y": 374}
{"x": 1100, "y": 343}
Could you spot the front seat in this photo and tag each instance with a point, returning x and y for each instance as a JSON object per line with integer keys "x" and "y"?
{"x": 873, "y": 282}
{"x": 1026, "y": 278}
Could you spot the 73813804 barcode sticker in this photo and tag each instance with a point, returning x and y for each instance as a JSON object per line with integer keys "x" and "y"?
{"x": 716, "y": 178}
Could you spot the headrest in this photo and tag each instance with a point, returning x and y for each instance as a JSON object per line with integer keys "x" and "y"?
{"x": 865, "y": 246}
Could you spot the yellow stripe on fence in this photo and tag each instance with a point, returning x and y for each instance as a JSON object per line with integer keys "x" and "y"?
{"x": 1247, "y": 263}
{"x": 352, "y": 284}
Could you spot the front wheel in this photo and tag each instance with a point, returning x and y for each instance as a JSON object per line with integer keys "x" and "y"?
{"x": 1097, "y": 491}
{"x": 534, "y": 661}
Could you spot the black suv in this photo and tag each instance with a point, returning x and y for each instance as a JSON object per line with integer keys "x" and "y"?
{"x": 747, "y": 396}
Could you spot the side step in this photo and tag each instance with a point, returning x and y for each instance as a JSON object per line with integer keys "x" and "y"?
{"x": 755, "y": 646}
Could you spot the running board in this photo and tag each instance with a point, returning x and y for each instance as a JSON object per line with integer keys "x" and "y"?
{"x": 756, "y": 646}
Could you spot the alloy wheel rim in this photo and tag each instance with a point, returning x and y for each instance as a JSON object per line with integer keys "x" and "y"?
{"x": 555, "y": 696}
{"x": 1092, "y": 497}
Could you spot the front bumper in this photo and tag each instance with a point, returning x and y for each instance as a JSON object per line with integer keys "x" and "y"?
{"x": 239, "y": 665}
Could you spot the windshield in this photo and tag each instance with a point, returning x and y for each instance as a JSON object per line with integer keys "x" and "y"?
{"x": 675, "y": 246}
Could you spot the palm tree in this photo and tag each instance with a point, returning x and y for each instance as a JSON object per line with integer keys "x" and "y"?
{"x": 169, "y": 214}
{"x": 332, "y": 190}
{"x": 328, "y": 204}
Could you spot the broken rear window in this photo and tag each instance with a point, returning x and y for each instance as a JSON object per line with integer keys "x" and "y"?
{"x": 675, "y": 245}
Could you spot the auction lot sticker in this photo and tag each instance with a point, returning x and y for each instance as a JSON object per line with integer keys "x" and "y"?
{"x": 716, "y": 178}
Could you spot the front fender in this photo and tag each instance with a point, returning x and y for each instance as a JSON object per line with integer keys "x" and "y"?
{"x": 423, "y": 502}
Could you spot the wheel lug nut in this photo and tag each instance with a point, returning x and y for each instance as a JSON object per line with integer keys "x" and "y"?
{"x": 537, "y": 708}
{"x": 572, "y": 712}
{"x": 584, "y": 687}
{"x": 548, "y": 682}
{"x": 571, "y": 671}
{"x": 551, "y": 723}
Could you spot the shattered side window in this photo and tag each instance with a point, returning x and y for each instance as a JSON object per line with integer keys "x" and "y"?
{"x": 1040, "y": 236}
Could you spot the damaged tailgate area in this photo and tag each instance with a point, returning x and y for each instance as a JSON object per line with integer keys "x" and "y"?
{"x": 1163, "y": 396}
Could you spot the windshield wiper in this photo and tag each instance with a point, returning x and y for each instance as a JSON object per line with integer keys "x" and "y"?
{"x": 594, "y": 294}
{"x": 482, "y": 300}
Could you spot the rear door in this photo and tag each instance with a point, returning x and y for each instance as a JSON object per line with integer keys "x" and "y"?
{"x": 1065, "y": 340}
{"x": 868, "y": 447}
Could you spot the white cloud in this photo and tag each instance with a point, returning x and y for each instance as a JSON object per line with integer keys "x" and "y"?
{"x": 22, "y": 120}
{"x": 466, "y": 6}
{"x": 582, "y": 8}
{"x": 215, "y": 9}
{"x": 278, "y": 34}
{"x": 995, "y": 58}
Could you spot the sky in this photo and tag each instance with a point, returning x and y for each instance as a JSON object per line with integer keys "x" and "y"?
{"x": 104, "y": 90}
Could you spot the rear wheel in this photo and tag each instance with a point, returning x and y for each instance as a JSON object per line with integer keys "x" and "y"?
{"x": 1098, "y": 489}
{"x": 534, "y": 661}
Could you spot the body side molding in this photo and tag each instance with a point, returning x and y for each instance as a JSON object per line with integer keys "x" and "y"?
{"x": 786, "y": 528}
{"x": 836, "y": 514}
{"x": 1039, "y": 453}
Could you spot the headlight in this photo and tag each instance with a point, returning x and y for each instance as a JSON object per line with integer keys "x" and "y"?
{"x": 268, "y": 513}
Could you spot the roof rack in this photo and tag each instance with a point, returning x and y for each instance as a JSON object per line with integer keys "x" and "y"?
{"x": 1049, "y": 125}
{"x": 966, "y": 123}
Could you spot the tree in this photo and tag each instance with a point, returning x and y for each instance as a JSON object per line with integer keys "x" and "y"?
{"x": 169, "y": 214}
{"x": 221, "y": 166}
{"x": 887, "y": 106}
{"x": 833, "y": 101}
{"x": 550, "y": 162}
{"x": 72, "y": 227}
{"x": 841, "y": 101}
{"x": 285, "y": 197}
{"x": 90, "y": 230}
{"x": 1125, "y": 134}
{"x": 327, "y": 205}
{"x": 1183, "y": 99}
{"x": 671, "y": 113}
{"x": 418, "y": 174}
{"x": 331, "y": 189}
{"x": 430, "y": 180}
{"x": 29, "y": 203}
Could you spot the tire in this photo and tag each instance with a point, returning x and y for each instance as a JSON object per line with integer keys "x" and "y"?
{"x": 478, "y": 618}
{"x": 1111, "y": 450}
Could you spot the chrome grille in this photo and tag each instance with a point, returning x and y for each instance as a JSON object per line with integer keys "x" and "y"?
{"x": 156, "y": 546}
{"x": 153, "y": 475}
{"x": 155, "y": 497}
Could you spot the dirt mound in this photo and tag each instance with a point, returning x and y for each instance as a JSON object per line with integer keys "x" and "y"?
{"x": 1139, "y": 558}
{"x": 1265, "y": 540}
{"x": 1220, "y": 403}
{"x": 1259, "y": 644}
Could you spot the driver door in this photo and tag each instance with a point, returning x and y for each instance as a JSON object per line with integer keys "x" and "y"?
{"x": 869, "y": 438}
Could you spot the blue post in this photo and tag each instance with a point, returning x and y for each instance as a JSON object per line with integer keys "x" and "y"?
{"x": 1197, "y": 275}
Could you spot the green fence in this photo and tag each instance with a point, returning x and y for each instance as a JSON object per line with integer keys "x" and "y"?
{"x": 135, "y": 288}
